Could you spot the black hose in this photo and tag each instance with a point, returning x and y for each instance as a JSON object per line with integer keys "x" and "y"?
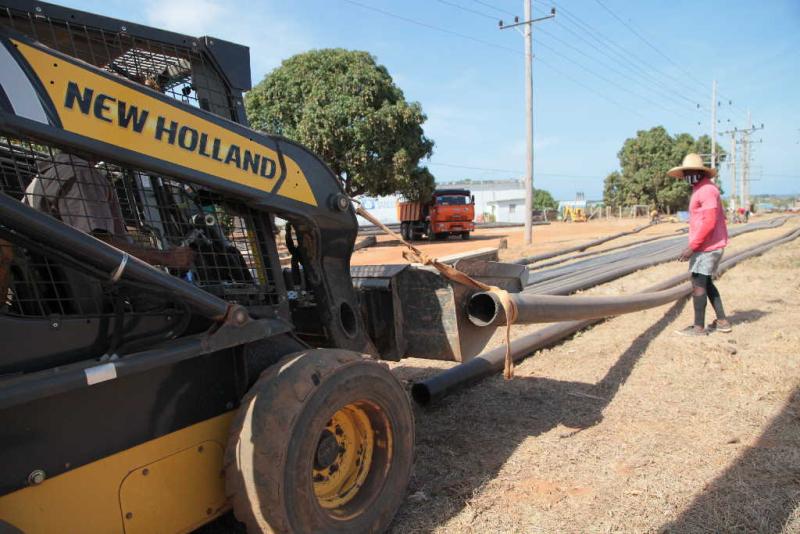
{"x": 485, "y": 308}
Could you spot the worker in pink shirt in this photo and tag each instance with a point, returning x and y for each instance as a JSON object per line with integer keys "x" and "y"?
{"x": 708, "y": 237}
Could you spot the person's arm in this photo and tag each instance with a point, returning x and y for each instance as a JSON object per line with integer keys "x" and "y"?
{"x": 176, "y": 258}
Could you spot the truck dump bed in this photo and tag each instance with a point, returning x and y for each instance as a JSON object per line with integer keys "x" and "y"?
{"x": 409, "y": 211}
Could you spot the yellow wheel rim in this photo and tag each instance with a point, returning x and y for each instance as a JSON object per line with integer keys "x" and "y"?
{"x": 344, "y": 454}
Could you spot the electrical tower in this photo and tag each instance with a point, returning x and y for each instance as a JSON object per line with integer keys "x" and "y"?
{"x": 743, "y": 138}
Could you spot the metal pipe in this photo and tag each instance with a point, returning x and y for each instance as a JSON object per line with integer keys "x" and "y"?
{"x": 65, "y": 239}
{"x": 491, "y": 362}
{"x": 577, "y": 248}
{"x": 559, "y": 261}
{"x": 590, "y": 272}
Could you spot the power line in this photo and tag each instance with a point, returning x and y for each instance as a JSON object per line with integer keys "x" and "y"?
{"x": 607, "y": 80}
{"x": 664, "y": 92}
{"x": 501, "y": 10}
{"x": 588, "y": 87}
{"x": 493, "y": 45}
{"x": 431, "y": 26}
{"x": 622, "y": 60}
{"x": 641, "y": 37}
{"x": 655, "y": 88}
{"x": 468, "y": 10}
{"x": 567, "y": 44}
{"x": 651, "y": 45}
{"x": 625, "y": 54}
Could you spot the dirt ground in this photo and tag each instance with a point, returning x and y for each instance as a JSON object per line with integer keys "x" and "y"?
{"x": 549, "y": 237}
{"x": 628, "y": 427}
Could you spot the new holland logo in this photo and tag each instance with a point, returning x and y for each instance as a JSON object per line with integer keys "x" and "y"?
{"x": 99, "y": 106}
{"x": 83, "y": 100}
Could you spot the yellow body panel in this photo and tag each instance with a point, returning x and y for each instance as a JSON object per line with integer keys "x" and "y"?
{"x": 90, "y": 499}
{"x": 103, "y": 121}
{"x": 176, "y": 491}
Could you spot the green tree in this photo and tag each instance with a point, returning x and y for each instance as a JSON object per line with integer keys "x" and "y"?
{"x": 543, "y": 200}
{"x": 644, "y": 161}
{"x": 345, "y": 107}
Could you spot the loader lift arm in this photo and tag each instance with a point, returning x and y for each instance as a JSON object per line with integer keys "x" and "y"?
{"x": 56, "y": 99}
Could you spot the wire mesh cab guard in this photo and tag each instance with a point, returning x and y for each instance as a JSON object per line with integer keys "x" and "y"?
{"x": 231, "y": 246}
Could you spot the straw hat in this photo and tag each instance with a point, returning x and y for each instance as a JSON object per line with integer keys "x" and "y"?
{"x": 692, "y": 162}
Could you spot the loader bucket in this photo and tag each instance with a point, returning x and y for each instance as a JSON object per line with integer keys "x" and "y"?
{"x": 413, "y": 311}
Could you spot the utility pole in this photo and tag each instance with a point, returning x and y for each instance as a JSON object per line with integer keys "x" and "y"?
{"x": 744, "y": 176}
{"x": 732, "y": 166}
{"x": 528, "y": 34}
{"x": 714, "y": 124}
{"x": 746, "y": 164}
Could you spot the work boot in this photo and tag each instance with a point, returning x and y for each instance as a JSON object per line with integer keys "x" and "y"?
{"x": 692, "y": 331}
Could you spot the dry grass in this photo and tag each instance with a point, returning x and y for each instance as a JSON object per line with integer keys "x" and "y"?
{"x": 627, "y": 427}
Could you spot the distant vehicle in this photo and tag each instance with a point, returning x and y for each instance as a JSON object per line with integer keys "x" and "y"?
{"x": 449, "y": 212}
{"x": 575, "y": 214}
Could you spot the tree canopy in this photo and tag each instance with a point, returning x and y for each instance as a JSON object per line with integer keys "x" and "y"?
{"x": 542, "y": 200}
{"x": 347, "y": 109}
{"x": 644, "y": 161}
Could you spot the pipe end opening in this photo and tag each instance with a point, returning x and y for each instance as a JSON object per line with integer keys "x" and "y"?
{"x": 482, "y": 309}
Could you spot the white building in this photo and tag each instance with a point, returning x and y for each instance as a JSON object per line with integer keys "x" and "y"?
{"x": 511, "y": 210}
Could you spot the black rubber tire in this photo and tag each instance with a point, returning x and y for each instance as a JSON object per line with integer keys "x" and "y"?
{"x": 405, "y": 231}
{"x": 464, "y": 235}
{"x": 274, "y": 437}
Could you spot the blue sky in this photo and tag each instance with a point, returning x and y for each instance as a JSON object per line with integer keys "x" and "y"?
{"x": 603, "y": 70}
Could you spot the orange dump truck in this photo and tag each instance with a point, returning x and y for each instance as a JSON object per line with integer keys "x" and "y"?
{"x": 449, "y": 212}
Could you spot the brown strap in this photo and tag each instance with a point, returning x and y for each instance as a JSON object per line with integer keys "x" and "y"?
{"x": 415, "y": 255}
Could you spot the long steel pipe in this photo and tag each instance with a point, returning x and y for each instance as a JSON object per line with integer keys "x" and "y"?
{"x": 577, "y": 248}
{"x": 22, "y": 219}
{"x": 587, "y": 273}
{"x": 558, "y": 261}
{"x": 491, "y": 362}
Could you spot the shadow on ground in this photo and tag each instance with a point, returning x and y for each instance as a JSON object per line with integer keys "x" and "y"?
{"x": 516, "y": 410}
{"x": 757, "y": 493}
{"x": 746, "y": 316}
{"x": 448, "y": 472}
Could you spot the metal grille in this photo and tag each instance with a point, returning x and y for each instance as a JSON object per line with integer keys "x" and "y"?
{"x": 182, "y": 72}
{"x": 193, "y": 233}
